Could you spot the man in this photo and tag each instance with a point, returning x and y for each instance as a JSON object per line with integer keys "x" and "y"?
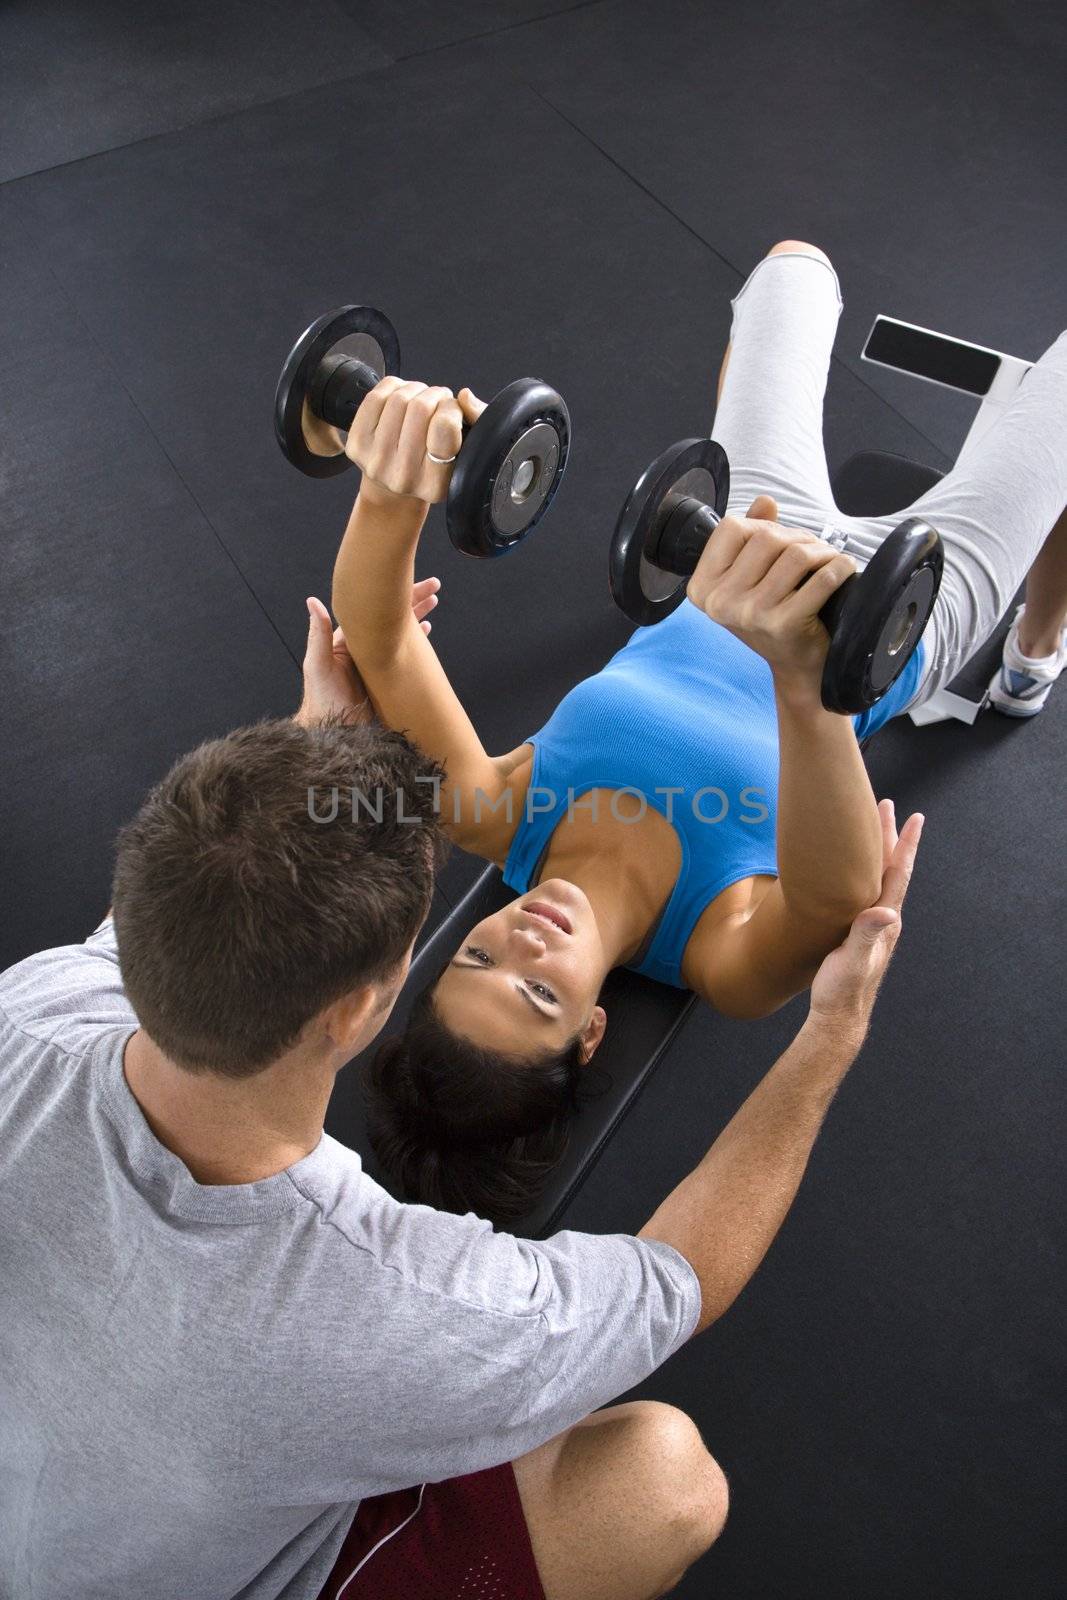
{"x": 230, "y": 1364}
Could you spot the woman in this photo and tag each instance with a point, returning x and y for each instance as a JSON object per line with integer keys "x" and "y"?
{"x": 691, "y": 812}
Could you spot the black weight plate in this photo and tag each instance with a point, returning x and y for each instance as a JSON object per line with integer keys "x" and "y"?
{"x": 877, "y": 632}
{"x": 474, "y": 526}
{"x": 353, "y": 330}
{"x": 904, "y": 628}
{"x": 645, "y": 593}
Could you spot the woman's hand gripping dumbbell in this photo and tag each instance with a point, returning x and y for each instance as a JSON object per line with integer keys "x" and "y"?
{"x": 504, "y": 472}
{"x": 792, "y": 595}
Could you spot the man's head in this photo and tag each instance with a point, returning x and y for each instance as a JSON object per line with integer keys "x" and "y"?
{"x": 274, "y": 876}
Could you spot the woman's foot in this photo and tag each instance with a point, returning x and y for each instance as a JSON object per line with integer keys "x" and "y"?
{"x": 1022, "y": 683}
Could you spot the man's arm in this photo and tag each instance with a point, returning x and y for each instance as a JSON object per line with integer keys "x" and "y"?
{"x": 332, "y": 684}
{"x": 724, "y": 1216}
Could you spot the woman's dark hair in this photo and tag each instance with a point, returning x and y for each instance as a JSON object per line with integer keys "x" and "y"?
{"x": 268, "y": 874}
{"x": 462, "y": 1128}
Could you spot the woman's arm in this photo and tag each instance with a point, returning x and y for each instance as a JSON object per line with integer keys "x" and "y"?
{"x": 828, "y": 838}
{"x": 752, "y": 952}
{"x": 767, "y": 584}
{"x": 829, "y": 845}
{"x": 392, "y": 432}
{"x": 374, "y": 573}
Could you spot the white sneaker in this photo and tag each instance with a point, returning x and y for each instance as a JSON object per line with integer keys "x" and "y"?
{"x": 1022, "y": 683}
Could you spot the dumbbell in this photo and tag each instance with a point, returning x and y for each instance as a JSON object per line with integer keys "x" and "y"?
{"x": 875, "y": 619}
{"x": 511, "y": 460}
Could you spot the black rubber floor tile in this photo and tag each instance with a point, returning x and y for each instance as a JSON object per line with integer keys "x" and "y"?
{"x": 127, "y": 635}
{"x": 924, "y": 147}
{"x": 196, "y": 259}
{"x": 420, "y": 26}
{"x": 77, "y": 78}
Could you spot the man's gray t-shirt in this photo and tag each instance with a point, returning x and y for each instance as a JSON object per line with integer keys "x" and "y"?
{"x": 198, "y": 1384}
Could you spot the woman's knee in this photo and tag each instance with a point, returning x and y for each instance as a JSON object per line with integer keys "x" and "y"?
{"x": 798, "y": 247}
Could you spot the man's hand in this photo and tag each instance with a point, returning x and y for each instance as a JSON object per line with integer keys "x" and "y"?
{"x": 767, "y": 584}
{"x": 396, "y": 430}
{"x": 846, "y": 984}
{"x": 332, "y": 684}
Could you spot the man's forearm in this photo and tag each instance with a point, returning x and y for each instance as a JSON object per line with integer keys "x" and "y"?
{"x": 724, "y": 1216}
{"x": 828, "y": 833}
{"x": 374, "y": 573}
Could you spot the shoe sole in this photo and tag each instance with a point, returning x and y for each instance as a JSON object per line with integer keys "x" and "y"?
{"x": 1007, "y": 710}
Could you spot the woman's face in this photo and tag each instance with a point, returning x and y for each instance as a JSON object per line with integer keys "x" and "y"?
{"x": 526, "y": 979}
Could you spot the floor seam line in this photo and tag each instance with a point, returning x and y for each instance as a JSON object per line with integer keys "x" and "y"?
{"x": 205, "y": 122}
{"x": 496, "y": 33}
{"x": 726, "y": 262}
{"x": 291, "y": 94}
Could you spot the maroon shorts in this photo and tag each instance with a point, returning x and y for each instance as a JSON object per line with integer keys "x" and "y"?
{"x": 464, "y": 1539}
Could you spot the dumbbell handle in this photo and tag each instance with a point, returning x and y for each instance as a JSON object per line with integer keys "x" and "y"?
{"x": 684, "y": 536}
{"x": 340, "y": 386}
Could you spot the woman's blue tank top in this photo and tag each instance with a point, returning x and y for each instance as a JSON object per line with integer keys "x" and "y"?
{"x": 684, "y": 716}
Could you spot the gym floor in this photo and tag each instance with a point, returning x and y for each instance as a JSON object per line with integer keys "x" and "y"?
{"x": 575, "y": 192}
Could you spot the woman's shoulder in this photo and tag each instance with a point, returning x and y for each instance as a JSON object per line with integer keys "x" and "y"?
{"x": 494, "y": 827}
{"x": 718, "y": 929}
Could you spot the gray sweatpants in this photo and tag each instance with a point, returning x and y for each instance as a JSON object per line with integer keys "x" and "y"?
{"x": 993, "y": 509}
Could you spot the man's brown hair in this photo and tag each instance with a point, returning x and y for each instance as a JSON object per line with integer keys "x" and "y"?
{"x": 270, "y": 873}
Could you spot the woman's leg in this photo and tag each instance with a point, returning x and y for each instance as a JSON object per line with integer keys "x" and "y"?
{"x": 620, "y": 1506}
{"x": 1000, "y": 513}
{"x": 994, "y": 509}
{"x": 773, "y": 380}
{"x": 1046, "y": 596}
{"x": 1035, "y": 647}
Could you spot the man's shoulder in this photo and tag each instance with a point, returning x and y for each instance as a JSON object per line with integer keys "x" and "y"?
{"x": 460, "y": 1267}
{"x": 64, "y": 997}
{"x": 433, "y": 1255}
